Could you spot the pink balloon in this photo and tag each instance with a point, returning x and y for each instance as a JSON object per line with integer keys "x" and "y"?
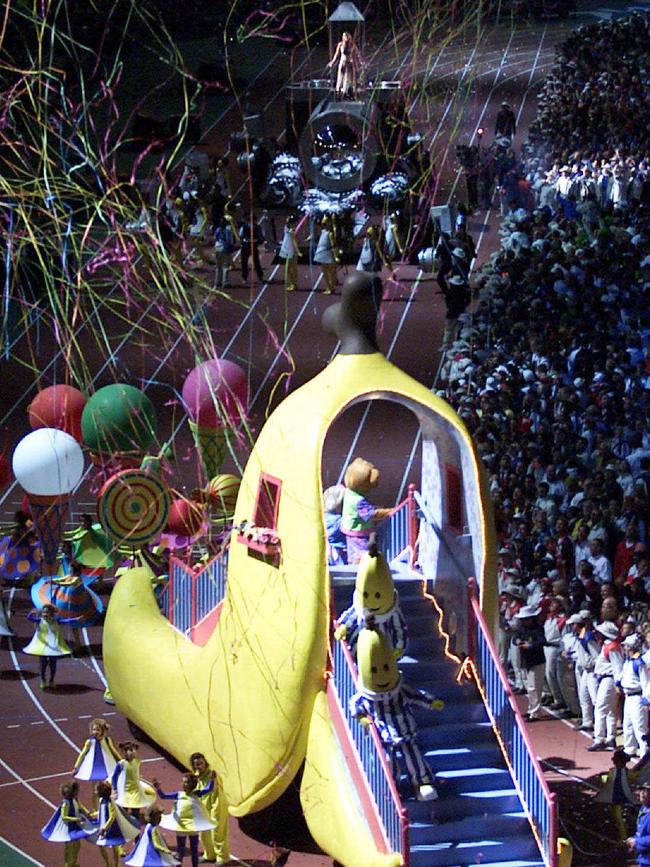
{"x": 215, "y": 393}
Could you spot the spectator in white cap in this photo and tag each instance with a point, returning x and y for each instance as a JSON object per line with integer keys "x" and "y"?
{"x": 632, "y": 682}
{"x": 607, "y": 669}
{"x": 553, "y": 628}
{"x": 529, "y": 639}
{"x": 583, "y": 649}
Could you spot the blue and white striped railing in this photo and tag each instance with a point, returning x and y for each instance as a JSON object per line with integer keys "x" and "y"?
{"x": 190, "y": 596}
{"x": 399, "y": 533}
{"x": 538, "y": 800}
{"x": 392, "y": 815}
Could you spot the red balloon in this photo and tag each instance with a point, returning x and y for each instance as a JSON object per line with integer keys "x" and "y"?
{"x": 5, "y": 471}
{"x": 59, "y": 406}
{"x": 185, "y": 517}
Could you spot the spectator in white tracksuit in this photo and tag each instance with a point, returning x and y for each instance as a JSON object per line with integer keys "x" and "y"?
{"x": 511, "y": 600}
{"x": 587, "y": 650}
{"x": 633, "y": 681}
{"x": 553, "y": 628}
{"x": 582, "y": 648}
{"x": 607, "y": 670}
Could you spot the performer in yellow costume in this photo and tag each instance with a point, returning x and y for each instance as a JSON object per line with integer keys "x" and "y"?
{"x": 47, "y": 642}
{"x": 132, "y": 793}
{"x": 216, "y": 846}
{"x": 188, "y": 818}
{"x": 99, "y": 756}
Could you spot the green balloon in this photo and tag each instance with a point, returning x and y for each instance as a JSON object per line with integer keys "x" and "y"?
{"x": 118, "y": 418}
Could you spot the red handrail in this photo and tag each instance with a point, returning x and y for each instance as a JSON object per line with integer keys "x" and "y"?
{"x": 476, "y": 614}
{"x": 397, "y": 801}
{"x": 413, "y": 523}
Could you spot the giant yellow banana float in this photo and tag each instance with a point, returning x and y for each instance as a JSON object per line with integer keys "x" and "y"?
{"x": 253, "y": 699}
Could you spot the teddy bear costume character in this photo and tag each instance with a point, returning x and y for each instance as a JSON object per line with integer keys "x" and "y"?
{"x": 360, "y": 517}
{"x": 384, "y": 699}
{"x": 376, "y": 601}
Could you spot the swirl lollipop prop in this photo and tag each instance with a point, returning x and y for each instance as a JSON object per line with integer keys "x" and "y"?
{"x": 133, "y": 507}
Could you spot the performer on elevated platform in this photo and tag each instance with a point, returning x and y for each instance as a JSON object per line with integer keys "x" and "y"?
{"x": 348, "y": 58}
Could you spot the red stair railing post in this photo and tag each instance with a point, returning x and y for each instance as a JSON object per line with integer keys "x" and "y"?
{"x": 554, "y": 853}
{"x": 471, "y": 620}
{"x": 412, "y": 522}
{"x": 405, "y": 834}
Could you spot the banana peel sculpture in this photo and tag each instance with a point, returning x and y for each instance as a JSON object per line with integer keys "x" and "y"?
{"x": 254, "y": 697}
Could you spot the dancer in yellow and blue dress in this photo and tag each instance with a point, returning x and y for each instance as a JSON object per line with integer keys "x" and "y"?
{"x": 115, "y": 827}
{"x": 151, "y": 850}
{"x": 131, "y": 793}
{"x": 99, "y": 755}
{"x": 70, "y": 824}
{"x": 188, "y": 818}
{"x": 216, "y": 847}
{"x": 47, "y": 642}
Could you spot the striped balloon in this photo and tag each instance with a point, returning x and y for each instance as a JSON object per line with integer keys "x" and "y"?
{"x": 222, "y": 493}
{"x": 75, "y": 604}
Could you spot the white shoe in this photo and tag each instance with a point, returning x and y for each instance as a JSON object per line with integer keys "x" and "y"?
{"x": 427, "y": 793}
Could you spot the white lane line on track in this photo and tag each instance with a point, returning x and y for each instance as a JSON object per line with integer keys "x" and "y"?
{"x": 20, "y": 780}
{"x": 20, "y": 852}
{"x": 30, "y": 693}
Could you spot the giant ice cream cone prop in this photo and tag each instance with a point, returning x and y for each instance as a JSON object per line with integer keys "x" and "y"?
{"x": 214, "y": 395}
{"x": 49, "y": 464}
{"x": 212, "y": 445}
{"x": 50, "y": 512}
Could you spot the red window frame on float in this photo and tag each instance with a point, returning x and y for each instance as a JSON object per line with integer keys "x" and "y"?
{"x": 267, "y": 505}
{"x": 454, "y": 499}
{"x": 265, "y": 518}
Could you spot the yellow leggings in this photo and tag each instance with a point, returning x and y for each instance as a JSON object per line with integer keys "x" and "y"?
{"x": 71, "y": 853}
{"x": 110, "y": 855}
{"x": 290, "y": 274}
{"x": 329, "y": 273}
{"x": 216, "y": 843}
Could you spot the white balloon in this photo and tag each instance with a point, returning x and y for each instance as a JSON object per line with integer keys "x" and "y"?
{"x": 48, "y": 462}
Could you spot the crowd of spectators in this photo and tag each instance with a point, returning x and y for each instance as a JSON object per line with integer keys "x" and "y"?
{"x": 551, "y": 370}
